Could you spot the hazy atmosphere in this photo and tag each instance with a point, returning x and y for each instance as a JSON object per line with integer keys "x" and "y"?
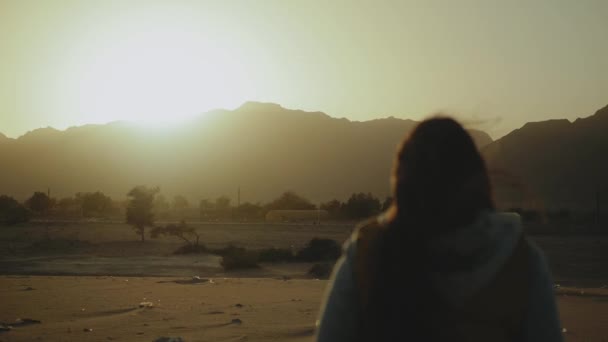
{"x": 282, "y": 170}
{"x": 495, "y": 64}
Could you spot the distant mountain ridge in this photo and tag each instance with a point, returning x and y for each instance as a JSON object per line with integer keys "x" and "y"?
{"x": 262, "y": 148}
{"x": 266, "y": 149}
{"x": 558, "y": 164}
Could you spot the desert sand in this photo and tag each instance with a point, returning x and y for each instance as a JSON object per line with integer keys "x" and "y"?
{"x": 268, "y": 309}
{"x": 104, "y": 308}
{"x": 64, "y": 283}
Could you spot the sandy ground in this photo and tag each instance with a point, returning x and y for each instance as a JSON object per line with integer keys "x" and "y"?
{"x": 271, "y": 309}
{"x": 268, "y": 309}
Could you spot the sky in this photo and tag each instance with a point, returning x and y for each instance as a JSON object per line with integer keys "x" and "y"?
{"x": 492, "y": 64}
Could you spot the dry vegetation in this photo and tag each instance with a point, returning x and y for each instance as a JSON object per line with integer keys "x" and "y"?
{"x": 575, "y": 260}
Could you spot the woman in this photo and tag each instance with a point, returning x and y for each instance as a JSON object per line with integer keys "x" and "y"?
{"x": 441, "y": 264}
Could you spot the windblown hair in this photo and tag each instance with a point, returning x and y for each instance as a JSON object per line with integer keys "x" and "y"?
{"x": 439, "y": 178}
{"x": 440, "y": 184}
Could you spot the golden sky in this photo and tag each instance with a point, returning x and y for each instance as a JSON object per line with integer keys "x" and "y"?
{"x": 498, "y": 64}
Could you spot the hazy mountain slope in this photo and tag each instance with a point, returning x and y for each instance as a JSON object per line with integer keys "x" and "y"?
{"x": 263, "y": 148}
{"x": 558, "y": 163}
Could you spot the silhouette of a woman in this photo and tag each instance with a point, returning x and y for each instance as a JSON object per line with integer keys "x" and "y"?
{"x": 441, "y": 264}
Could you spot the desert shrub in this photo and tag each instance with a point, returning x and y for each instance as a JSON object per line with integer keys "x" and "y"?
{"x": 191, "y": 249}
{"x": 181, "y": 231}
{"x": 275, "y": 255}
{"x": 234, "y": 258}
{"x": 321, "y": 271}
{"x": 320, "y": 250}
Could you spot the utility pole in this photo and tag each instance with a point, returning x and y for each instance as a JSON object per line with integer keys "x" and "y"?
{"x": 597, "y": 206}
{"x": 238, "y": 197}
{"x": 319, "y": 213}
{"x": 46, "y": 214}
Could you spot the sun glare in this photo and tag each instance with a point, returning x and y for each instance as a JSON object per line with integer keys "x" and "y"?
{"x": 154, "y": 70}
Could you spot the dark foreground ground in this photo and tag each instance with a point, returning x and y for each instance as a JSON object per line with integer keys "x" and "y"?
{"x": 83, "y": 308}
{"x": 94, "y": 300}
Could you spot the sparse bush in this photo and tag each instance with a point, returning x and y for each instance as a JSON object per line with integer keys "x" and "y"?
{"x": 320, "y": 250}
{"x": 182, "y": 231}
{"x": 275, "y": 255}
{"x": 321, "y": 271}
{"x": 234, "y": 258}
{"x": 94, "y": 204}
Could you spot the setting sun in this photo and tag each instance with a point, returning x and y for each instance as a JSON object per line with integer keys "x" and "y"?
{"x": 154, "y": 69}
{"x": 282, "y": 170}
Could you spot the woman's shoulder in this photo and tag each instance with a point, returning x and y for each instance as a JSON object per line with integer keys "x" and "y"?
{"x": 538, "y": 261}
{"x": 369, "y": 228}
{"x": 364, "y": 234}
{"x": 537, "y": 256}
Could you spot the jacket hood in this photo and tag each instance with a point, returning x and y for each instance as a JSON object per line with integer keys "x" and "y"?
{"x": 487, "y": 244}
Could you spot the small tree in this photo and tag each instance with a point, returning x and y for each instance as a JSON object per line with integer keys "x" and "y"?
{"x": 333, "y": 208}
{"x": 139, "y": 209}
{"x": 290, "y": 201}
{"x": 361, "y": 205}
{"x": 11, "y": 211}
{"x": 39, "y": 203}
{"x": 94, "y": 203}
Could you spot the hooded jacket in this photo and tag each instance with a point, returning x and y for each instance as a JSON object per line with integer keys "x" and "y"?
{"x": 493, "y": 237}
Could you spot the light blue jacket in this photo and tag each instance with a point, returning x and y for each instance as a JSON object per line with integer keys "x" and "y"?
{"x": 495, "y": 233}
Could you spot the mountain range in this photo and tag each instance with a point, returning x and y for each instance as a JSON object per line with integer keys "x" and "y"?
{"x": 265, "y": 149}
{"x": 555, "y": 164}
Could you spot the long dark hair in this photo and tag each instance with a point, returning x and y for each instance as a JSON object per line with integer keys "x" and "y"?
{"x": 440, "y": 184}
{"x": 439, "y": 178}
